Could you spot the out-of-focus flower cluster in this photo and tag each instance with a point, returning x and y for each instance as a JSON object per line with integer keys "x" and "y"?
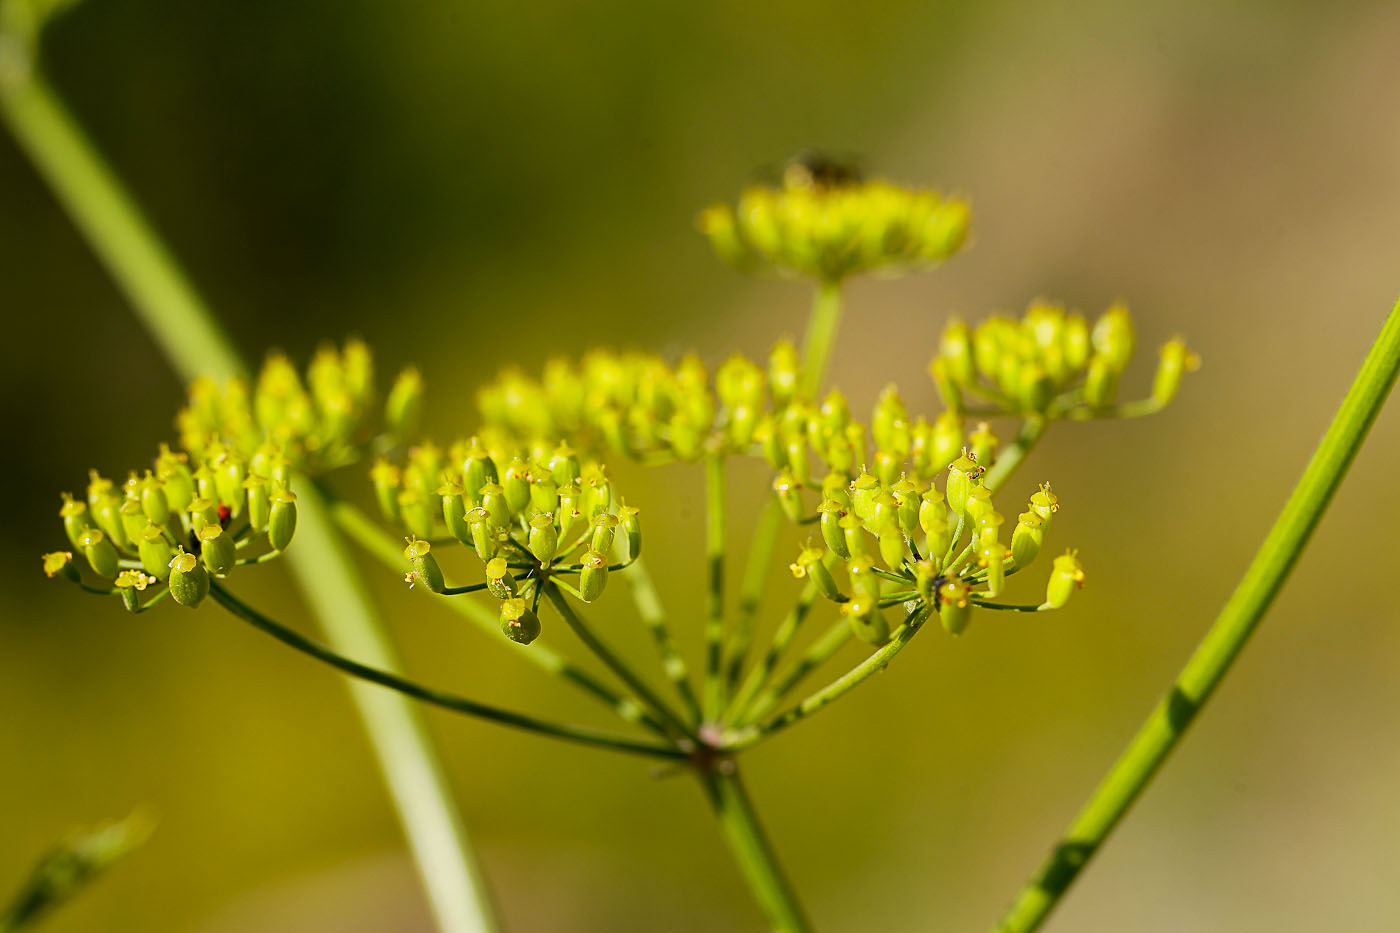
{"x": 829, "y": 226}
{"x": 527, "y": 512}
{"x": 1052, "y": 363}
{"x": 225, "y": 499}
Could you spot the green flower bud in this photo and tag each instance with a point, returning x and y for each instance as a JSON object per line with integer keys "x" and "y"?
{"x": 173, "y": 471}
{"x": 564, "y": 466}
{"x": 189, "y": 581}
{"x": 604, "y": 527}
{"x": 493, "y": 500}
{"x": 718, "y": 224}
{"x": 830, "y": 524}
{"x": 866, "y": 619}
{"x": 988, "y": 525}
{"x": 1027, "y": 538}
{"x": 770, "y": 443}
{"x": 478, "y": 469}
{"x": 864, "y": 489}
{"x": 1045, "y": 504}
{"x": 597, "y": 491}
{"x": 483, "y": 533}
{"x": 888, "y": 417}
{"x": 1035, "y": 390}
{"x": 499, "y": 582}
{"x": 1175, "y": 360}
{"x": 76, "y": 519}
{"x": 282, "y": 519}
{"x": 835, "y": 413}
{"x": 132, "y": 520}
{"x": 954, "y": 609}
{"x": 259, "y": 501}
{"x": 1100, "y": 382}
{"x": 387, "y": 483}
{"x": 404, "y": 406}
{"x": 853, "y": 535}
{"x": 425, "y": 569}
{"x": 594, "y": 576}
{"x": 984, "y": 444}
{"x": 888, "y": 466}
{"x": 955, "y": 347}
{"x": 516, "y": 485}
{"x": 1113, "y": 338}
{"x": 993, "y": 557}
{"x": 892, "y": 547}
{"x": 153, "y": 500}
{"x": 101, "y": 554}
{"x": 962, "y": 475}
{"x": 784, "y": 372}
{"x": 543, "y": 540}
{"x": 61, "y": 562}
{"x": 628, "y": 518}
{"x": 228, "y": 480}
{"x": 216, "y": 549}
{"x": 864, "y": 581}
{"x": 519, "y": 622}
{"x": 544, "y": 492}
{"x": 809, "y": 563}
{"x": 789, "y": 492}
{"x": 1066, "y": 576}
{"x": 203, "y": 512}
{"x": 155, "y": 551}
{"x": 948, "y": 388}
{"x": 946, "y": 441}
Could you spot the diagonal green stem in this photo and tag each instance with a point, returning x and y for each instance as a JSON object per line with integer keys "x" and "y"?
{"x": 654, "y": 618}
{"x": 714, "y": 591}
{"x": 752, "y": 735}
{"x": 1009, "y": 459}
{"x": 381, "y": 545}
{"x": 821, "y": 651}
{"x": 457, "y": 704}
{"x": 758, "y": 677}
{"x": 585, "y": 634}
{"x": 193, "y": 342}
{"x": 751, "y": 849}
{"x": 1212, "y": 659}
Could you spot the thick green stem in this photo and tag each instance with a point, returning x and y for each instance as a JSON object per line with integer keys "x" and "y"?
{"x": 752, "y": 851}
{"x": 195, "y": 346}
{"x": 821, "y": 651}
{"x": 1222, "y": 643}
{"x": 756, "y": 575}
{"x": 714, "y": 591}
{"x": 1009, "y": 459}
{"x": 582, "y": 734}
{"x": 758, "y": 677}
{"x": 654, "y": 618}
{"x": 752, "y": 735}
{"x": 604, "y": 653}
{"x": 384, "y": 548}
{"x": 822, "y": 325}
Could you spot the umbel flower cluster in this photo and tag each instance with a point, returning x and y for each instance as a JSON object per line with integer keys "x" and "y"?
{"x": 225, "y": 499}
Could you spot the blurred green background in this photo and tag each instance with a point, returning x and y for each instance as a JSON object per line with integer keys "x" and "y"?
{"x": 471, "y": 185}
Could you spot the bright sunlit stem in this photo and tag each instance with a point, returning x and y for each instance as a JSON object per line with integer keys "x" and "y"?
{"x": 713, "y": 702}
{"x": 822, "y": 325}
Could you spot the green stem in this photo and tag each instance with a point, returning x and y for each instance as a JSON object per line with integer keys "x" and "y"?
{"x": 383, "y": 547}
{"x": 187, "y": 333}
{"x": 752, "y": 851}
{"x": 822, "y": 324}
{"x": 1168, "y": 721}
{"x": 758, "y": 677}
{"x": 457, "y": 704}
{"x": 1009, "y": 459}
{"x": 654, "y": 618}
{"x": 714, "y": 592}
{"x": 614, "y": 663}
{"x": 838, "y": 688}
{"x": 756, "y": 573}
{"x": 821, "y": 651}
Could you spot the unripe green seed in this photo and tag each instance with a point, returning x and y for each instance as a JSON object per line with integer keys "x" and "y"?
{"x": 784, "y": 369}
{"x": 1100, "y": 382}
{"x": 1045, "y": 504}
{"x": 1174, "y": 362}
{"x": 962, "y": 474}
{"x": 1066, "y": 576}
{"x": 153, "y": 500}
{"x": 454, "y": 511}
{"x": 101, "y": 554}
{"x": 830, "y": 525}
{"x": 404, "y": 406}
{"x": 594, "y": 576}
{"x": 484, "y": 537}
{"x": 216, "y": 549}
{"x": 809, "y": 563}
{"x": 519, "y": 622}
{"x": 955, "y": 346}
{"x": 544, "y": 537}
{"x": 864, "y": 489}
{"x": 259, "y": 501}
{"x": 1113, "y": 338}
{"x": 516, "y": 485}
{"x": 132, "y": 520}
{"x": 789, "y": 492}
{"x": 544, "y": 492}
{"x": 499, "y": 582}
{"x": 388, "y": 482}
{"x": 853, "y": 534}
{"x": 478, "y": 469}
{"x": 892, "y": 547}
{"x": 866, "y": 619}
{"x": 282, "y": 519}
{"x": 228, "y": 480}
{"x": 1027, "y": 538}
{"x": 953, "y": 607}
{"x": 630, "y": 520}
{"x": 426, "y": 571}
{"x": 155, "y": 551}
{"x": 604, "y": 526}
{"x": 173, "y": 471}
{"x": 189, "y": 581}
{"x": 949, "y": 389}
{"x": 564, "y": 466}
{"x": 864, "y": 582}
{"x": 993, "y": 557}
{"x": 984, "y": 444}
{"x": 946, "y": 441}
{"x": 76, "y": 519}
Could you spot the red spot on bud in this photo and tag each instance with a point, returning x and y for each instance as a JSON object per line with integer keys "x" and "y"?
{"x": 224, "y": 513}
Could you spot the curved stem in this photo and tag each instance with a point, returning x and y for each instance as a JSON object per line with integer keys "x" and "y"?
{"x": 615, "y": 664}
{"x": 382, "y": 546}
{"x": 756, "y": 574}
{"x": 836, "y": 689}
{"x": 582, "y": 734}
{"x": 822, "y": 324}
{"x": 1011, "y": 458}
{"x": 1212, "y": 658}
{"x": 751, "y": 849}
{"x": 192, "y": 341}
{"x": 821, "y": 651}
